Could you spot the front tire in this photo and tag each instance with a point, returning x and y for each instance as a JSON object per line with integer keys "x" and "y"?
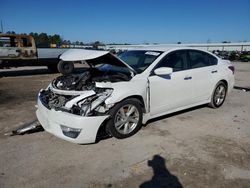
{"x": 219, "y": 95}
{"x": 126, "y": 119}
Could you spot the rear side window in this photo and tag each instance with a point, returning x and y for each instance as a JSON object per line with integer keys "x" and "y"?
{"x": 199, "y": 59}
{"x": 175, "y": 60}
{"x": 212, "y": 60}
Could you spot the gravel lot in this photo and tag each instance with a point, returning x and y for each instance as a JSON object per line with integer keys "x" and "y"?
{"x": 200, "y": 147}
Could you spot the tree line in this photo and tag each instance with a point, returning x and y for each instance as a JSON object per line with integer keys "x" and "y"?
{"x": 43, "y": 40}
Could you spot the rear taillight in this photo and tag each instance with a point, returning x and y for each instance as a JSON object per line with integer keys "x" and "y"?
{"x": 231, "y": 68}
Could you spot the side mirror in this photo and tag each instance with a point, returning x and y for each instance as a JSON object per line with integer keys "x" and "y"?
{"x": 163, "y": 71}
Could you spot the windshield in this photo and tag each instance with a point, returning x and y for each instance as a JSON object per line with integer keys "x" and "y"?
{"x": 139, "y": 60}
{"x": 114, "y": 68}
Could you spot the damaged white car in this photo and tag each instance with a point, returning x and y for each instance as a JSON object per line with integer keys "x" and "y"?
{"x": 119, "y": 94}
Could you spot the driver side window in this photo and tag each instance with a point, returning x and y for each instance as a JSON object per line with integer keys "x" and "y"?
{"x": 176, "y": 60}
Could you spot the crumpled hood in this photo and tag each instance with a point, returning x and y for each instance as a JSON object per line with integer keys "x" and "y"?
{"x": 93, "y": 57}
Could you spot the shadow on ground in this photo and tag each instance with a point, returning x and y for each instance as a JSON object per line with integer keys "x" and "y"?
{"x": 175, "y": 114}
{"x": 31, "y": 72}
{"x": 162, "y": 177}
{"x": 246, "y": 89}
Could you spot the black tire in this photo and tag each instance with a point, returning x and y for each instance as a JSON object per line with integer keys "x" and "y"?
{"x": 110, "y": 126}
{"x": 214, "y": 103}
{"x": 53, "y": 68}
{"x": 65, "y": 67}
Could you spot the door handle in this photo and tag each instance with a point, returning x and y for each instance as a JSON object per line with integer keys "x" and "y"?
{"x": 214, "y": 71}
{"x": 188, "y": 78}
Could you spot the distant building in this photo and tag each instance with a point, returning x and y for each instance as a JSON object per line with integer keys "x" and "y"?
{"x": 241, "y": 46}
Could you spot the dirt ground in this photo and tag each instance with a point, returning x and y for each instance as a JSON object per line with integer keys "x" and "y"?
{"x": 199, "y": 147}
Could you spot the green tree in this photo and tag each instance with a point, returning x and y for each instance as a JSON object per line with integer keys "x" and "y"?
{"x": 226, "y": 42}
{"x": 96, "y": 44}
{"x": 56, "y": 39}
{"x": 43, "y": 40}
{"x": 10, "y": 32}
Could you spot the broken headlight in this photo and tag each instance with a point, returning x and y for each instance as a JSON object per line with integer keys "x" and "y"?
{"x": 93, "y": 104}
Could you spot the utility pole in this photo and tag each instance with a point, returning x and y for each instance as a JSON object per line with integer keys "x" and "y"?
{"x": 1, "y": 26}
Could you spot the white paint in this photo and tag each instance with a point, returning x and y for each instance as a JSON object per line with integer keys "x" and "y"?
{"x": 82, "y": 54}
{"x": 51, "y": 121}
{"x": 70, "y": 103}
{"x": 163, "y": 71}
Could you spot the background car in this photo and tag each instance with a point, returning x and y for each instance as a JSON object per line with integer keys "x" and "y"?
{"x": 245, "y": 56}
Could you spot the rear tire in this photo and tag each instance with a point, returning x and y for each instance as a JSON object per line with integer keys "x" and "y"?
{"x": 126, "y": 119}
{"x": 219, "y": 95}
{"x": 65, "y": 67}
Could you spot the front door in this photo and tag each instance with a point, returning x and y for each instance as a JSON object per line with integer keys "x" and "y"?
{"x": 172, "y": 91}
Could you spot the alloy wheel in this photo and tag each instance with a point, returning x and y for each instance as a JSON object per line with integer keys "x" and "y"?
{"x": 126, "y": 119}
{"x": 220, "y": 94}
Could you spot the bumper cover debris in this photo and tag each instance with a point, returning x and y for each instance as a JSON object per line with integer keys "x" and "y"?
{"x": 32, "y": 127}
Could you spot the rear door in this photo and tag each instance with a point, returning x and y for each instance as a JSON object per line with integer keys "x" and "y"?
{"x": 203, "y": 68}
{"x": 172, "y": 91}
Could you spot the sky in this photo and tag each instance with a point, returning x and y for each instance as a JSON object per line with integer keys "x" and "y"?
{"x": 131, "y": 21}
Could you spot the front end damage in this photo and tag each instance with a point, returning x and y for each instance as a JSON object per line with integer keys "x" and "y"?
{"x": 73, "y": 107}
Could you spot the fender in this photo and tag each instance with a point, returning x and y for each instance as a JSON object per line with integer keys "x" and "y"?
{"x": 124, "y": 90}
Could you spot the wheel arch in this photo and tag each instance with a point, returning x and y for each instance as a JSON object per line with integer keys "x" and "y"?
{"x": 225, "y": 82}
{"x": 139, "y": 98}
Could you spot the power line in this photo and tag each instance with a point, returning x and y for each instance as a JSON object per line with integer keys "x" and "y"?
{"x": 2, "y": 26}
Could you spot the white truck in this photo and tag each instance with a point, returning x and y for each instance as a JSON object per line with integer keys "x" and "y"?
{"x": 20, "y": 50}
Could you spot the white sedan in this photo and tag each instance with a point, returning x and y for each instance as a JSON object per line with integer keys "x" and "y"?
{"x": 119, "y": 94}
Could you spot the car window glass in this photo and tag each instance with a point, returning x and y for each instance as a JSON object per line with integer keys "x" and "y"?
{"x": 131, "y": 59}
{"x": 139, "y": 60}
{"x": 25, "y": 42}
{"x": 212, "y": 60}
{"x": 8, "y": 42}
{"x": 148, "y": 60}
{"x": 175, "y": 60}
{"x": 198, "y": 59}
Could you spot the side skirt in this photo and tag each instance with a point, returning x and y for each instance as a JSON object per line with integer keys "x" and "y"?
{"x": 147, "y": 116}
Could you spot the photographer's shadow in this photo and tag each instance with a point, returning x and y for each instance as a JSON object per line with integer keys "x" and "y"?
{"x": 162, "y": 177}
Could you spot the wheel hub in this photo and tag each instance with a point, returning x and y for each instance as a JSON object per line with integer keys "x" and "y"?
{"x": 126, "y": 119}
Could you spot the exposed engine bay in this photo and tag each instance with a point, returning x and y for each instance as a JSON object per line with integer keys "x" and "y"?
{"x": 78, "y": 94}
{"x": 86, "y": 80}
